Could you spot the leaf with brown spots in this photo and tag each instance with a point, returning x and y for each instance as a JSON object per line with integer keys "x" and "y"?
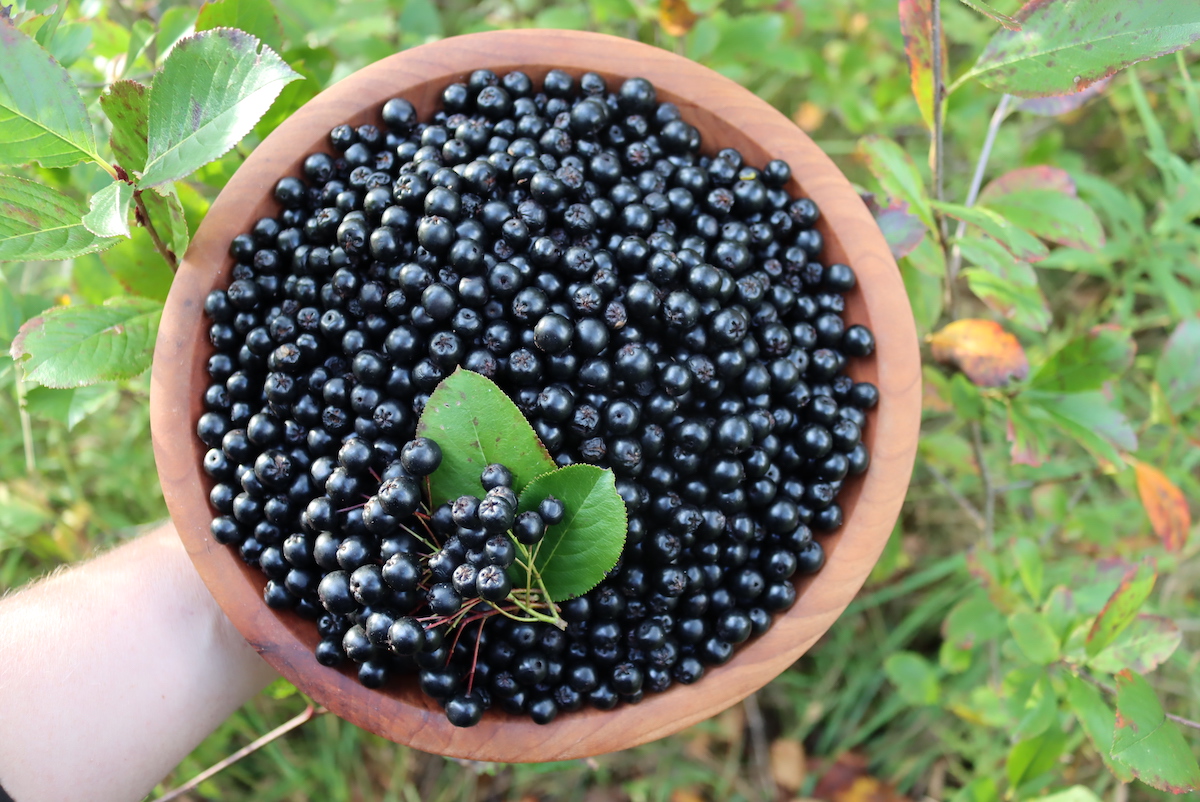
{"x": 675, "y": 17}
{"x": 986, "y": 353}
{"x": 72, "y": 346}
{"x": 1122, "y": 606}
{"x": 1165, "y": 504}
{"x": 1068, "y": 45}
{"x": 916, "y": 25}
{"x": 37, "y": 222}
{"x": 1148, "y": 742}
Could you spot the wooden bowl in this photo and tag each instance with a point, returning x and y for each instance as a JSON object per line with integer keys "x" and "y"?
{"x": 727, "y": 116}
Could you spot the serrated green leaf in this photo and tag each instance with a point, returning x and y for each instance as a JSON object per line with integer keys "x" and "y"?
{"x": 1122, "y": 607}
{"x": 1088, "y": 418}
{"x": 70, "y": 346}
{"x": 255, "y": 17}
{"x": 1087, "y": 362}
{"x": 1146, "y": 643}
{"x": 42, "y": 115}
{"x": 1148, "y": 742}
{"x": 1034, "y": 637}
{"x": 915, "y": 679}
{"x": 1178, "y": 368}
{"x": 138, "y": 266}
{"x": 898, "y": 175}
{"x": 210, "y": 92}
{"x": 1019, "y": 242}
{"x": 1053, "y": 216}
{"x": 166, "y": 213}
{"x": 127, "y": 106}
{"x": 1067, "y": 45}
{"x": 476, "y": 424}
{"x": 109, "y": 212}
{"x": 1097, "y": 720}
{"x": 40, "y": 223}
{"x": 576, "y": 553}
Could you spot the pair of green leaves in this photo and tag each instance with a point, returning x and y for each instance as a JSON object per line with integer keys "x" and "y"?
{"x": 476, "y": 425}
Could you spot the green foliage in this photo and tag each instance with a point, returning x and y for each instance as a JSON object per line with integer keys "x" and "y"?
{"x": 990, "y": 682}
{"x": 109, "y": 213}
{"x": 577, "y": 553}
{"x": 476, "y": 424}
{"x": 212, "y": 90}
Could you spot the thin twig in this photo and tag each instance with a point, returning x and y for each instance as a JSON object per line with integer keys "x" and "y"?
{"x": 939, "y": 93}
{"x": 1104, "y": 686}
{"x": 26, "y": 423}
{"x": 955, "y": 262}
{"x": 159, "y": 245}
{"x": 307, "y": 715}
{"x": 989, "y": 489}
{"x": 758, "y": 744}
{"x": 965, "y": 503}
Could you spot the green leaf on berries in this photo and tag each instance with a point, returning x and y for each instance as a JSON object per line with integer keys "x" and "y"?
{"x": 576, "y": 553}
{"x": 1148, "y": 742}
{"x": 476, "y": 424}
{"x": 42, "y": 114}
{"x": 211, "y": 91}
{"x": 38, "y": 222}
{"x": 71, "y": 346}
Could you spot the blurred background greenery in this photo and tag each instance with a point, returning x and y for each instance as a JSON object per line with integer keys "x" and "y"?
{"x": 834, "y": 726}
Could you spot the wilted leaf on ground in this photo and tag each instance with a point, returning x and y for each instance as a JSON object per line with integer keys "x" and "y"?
{"x": 916, "y": 26}
{"x": 1067, "y": 45}
{"x": 1178, "y": 368}
{"x": 1122, "y": 606}
{"x": 848, "y": 780}
{"x": 676, "y": 17}
{"x": 1024, "y": 179}
{"x": 1148, "y": 742}
{"x": 989, "y": 355}
{"x": 1165, "y": 504}
{"x": 788, "y": 764}
{"x": 902, "y": 230}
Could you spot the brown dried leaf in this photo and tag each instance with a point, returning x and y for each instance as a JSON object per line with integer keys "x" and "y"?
{"x": 985, "y": 352}
{"x": 1165, "y": 504}
{"x": 847, "y": 780}
{"x": 788, "y": 767}
{"x": 685, "y": 795}
{"x": 675, "y": 17}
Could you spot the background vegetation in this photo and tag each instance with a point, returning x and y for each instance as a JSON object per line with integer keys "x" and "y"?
{"x": 1041, "y": 576}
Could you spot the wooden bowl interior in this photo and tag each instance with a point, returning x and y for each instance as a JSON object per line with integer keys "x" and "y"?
{"x": 727, "y": 116}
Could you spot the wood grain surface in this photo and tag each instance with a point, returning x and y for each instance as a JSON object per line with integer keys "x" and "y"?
{"x": 727, "y": 116}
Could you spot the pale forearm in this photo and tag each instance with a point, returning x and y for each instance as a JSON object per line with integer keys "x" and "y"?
{"x": 111, "y": 672}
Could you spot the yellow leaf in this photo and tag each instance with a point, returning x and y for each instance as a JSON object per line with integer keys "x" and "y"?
{"x": 1165, "y": 504}
{"x": 675, "y": 17}
{"x": 985, "y": 352}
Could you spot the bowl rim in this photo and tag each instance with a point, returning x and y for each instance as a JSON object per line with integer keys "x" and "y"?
{"x": 706, "y": 98}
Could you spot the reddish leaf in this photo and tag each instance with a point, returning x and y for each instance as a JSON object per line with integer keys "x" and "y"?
{"x": 675, "y": 17}
{"x": 916, "y": 25}
{"x": 1122, "y": 606}
{"x": 1165, "y": 504}
{"x": 1041, "y": 176}
{"x": 1055, "y": 105}
{"x": 989, "y": 355}
{"x": 903, "y": 231}
{"x": 1148, "y": 742}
